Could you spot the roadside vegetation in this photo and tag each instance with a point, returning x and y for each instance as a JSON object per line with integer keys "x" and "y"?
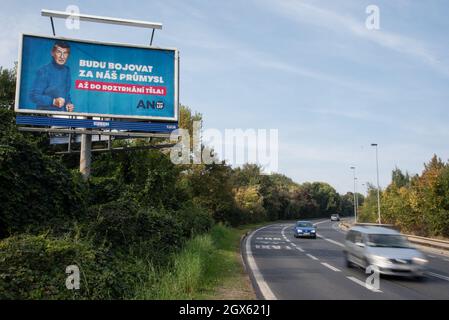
{"x": 417, "y": 204}
{"x": 140, "y": 227}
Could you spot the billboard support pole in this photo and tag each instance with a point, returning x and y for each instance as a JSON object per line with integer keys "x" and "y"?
{"x": 53, "y": 27}
{"x": 152, "y": 36}
{"x": 85, "y": 155}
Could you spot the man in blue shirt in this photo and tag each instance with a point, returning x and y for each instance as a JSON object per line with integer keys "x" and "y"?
{"x": 51, "y": 89}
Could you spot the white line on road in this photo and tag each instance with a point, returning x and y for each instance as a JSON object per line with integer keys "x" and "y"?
{"x": 337, "y": 228}
{"x": 312, "y": 257}
{"x": 320, "y": 222}
{"x": 330, "y": 240}
{"x": 363, "y": 284}
{"x": 300, "y": 249}
{"x": 438, "y": 276}
{"x": 288, "y": 248}
{"x": 258, "y": 277}
{"x": 330, "y": 267}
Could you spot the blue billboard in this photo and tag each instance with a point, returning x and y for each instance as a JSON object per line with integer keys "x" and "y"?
{"x": 72, "y": 77}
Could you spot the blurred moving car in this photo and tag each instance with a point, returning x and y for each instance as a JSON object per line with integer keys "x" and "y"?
{"x": 385, "y": 249}
{"x": 335, "y": 217}
{"x": 305, "y": 229}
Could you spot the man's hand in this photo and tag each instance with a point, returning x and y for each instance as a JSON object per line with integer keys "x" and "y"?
{"x": 59, "y": 102}
{"x": 70, "y": 107}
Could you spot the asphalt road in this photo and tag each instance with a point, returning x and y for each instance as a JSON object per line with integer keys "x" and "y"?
{"x": 285, "y": 268}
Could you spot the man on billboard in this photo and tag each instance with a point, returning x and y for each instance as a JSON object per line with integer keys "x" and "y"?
{"x": 51, "y": 88}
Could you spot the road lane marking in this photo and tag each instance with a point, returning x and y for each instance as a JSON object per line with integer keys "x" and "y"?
{"x": 288, "y": 248}
{"x": 270, "y": 242}
{"x": 311, "y": 257}
{"x": 258, "y": 277}
{"x": 293, "y": 244}
{"x": 330, "y": 267}
{"x": 276, "y": 247}
{"x": 337, "y": 228}
{"x": 432, "y": 256}
{"x": 438, "y": 276}
{"x": 300, "y": 249}
{"x": 363, "y": 284}
{"x": 320, "y": 222}
{"x": 331, "y": 241}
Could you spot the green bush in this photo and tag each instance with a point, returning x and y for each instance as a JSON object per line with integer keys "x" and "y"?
{"x": 36, "y": 190}
{"x": 33, "y": 267}
{"x": 194, "y": 220}
{"x": 104, "y": 189}
{"x": 150, "y": 233}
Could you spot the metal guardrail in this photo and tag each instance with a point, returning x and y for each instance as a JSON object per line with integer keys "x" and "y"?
{"x": 428, "y": 242}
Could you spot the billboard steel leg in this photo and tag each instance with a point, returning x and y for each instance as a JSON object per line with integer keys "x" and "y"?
{"x": 85, "y": 155}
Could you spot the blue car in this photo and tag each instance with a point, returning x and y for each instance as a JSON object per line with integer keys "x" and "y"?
{"x": 305, "y": 229}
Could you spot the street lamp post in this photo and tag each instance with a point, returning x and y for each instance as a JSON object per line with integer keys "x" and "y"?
{"x": 355, "y": 196}
{"x": 378, "y": 187}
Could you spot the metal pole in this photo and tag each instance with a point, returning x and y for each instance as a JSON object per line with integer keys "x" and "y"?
{"x": 378, "y": 186}
{"x": 356, "y": 199}
{"x": 355, "y": 205}
{"x": 85, "y": 155}
{"x": 152, "y": 36}
{"x": 52, "y": 26}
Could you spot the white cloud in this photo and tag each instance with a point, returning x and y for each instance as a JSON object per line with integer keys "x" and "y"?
{"x": 304, "y": 13}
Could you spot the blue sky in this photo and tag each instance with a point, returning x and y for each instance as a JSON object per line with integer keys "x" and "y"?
{"x": 308, "y": 68}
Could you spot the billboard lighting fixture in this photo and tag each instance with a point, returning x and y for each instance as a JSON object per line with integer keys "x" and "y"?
{"x": 99, "y": 19}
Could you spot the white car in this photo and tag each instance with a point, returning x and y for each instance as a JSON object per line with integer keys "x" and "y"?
{"x": 335, "y": 217}
{"x": 385, "y": 249}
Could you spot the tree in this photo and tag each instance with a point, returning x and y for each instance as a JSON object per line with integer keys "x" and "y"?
{"x": 250, "y": 201}
{"x": 399, "y": 179}
{"x": 7, "y": 87}
{"x": 210, "y": 187}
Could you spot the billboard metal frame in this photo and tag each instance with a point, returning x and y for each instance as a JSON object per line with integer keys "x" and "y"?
{"x": 86, "y": 133}
{"x": 175, "y": 118}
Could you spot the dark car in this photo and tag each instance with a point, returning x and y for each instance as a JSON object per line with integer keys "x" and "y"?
{"x": 305, "y": 229}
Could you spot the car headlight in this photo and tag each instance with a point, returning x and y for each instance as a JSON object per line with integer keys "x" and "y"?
{"x": 313, "y": 231}
{"x": 420, "y": 261}
{"x": 299, "y": 230}
{"x": 380, "y": 260}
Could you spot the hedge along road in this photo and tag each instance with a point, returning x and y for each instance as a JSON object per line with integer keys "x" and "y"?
{"x": 283, "y": 267}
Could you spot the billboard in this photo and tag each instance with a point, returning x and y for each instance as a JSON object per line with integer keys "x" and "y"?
{"x": 63, "y": 76}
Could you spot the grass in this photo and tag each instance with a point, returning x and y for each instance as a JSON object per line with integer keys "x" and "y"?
{"x": 209, "y": 267}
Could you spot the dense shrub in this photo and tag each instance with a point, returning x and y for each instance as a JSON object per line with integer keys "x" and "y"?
{"x": 194, "y": 220}
{"x": 36, "y": 190}
{"x": 145, "y": 232}
{"x": 104, "y": 189}
{"x": 33, "y": 267}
